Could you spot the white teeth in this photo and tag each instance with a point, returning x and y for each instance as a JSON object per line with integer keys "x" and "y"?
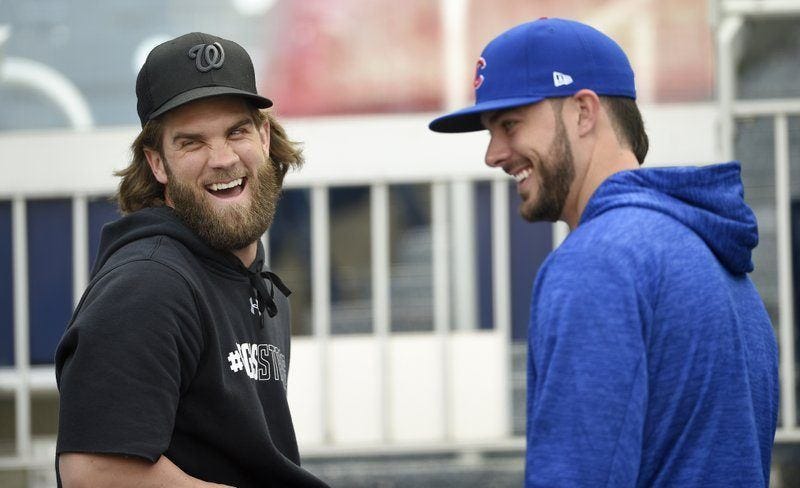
{"x": 224, "y": 186}
{"x": 522, "y": 175}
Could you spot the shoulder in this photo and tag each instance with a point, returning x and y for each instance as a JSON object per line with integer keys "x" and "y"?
{"x": 148, "y": 277}
{"x": 630, "y": 229}
{"x": 157, "y": 249}
{"x": 631, "y": 236}
{"x": 622, "y": 248}
{"x": 140, "y": 291}
{"x": 150, "y": 265}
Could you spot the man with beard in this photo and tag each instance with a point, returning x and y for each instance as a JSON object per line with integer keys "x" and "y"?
{"x": 173, "y": 369}
{"x": 651, "y": 358}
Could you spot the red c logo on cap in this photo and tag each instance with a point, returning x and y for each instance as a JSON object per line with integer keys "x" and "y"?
{"x": 478, "y": 81}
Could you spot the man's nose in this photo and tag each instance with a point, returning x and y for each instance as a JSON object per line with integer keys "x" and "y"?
{"x": 222, "y": 156}
{"x": 497, "y": 152}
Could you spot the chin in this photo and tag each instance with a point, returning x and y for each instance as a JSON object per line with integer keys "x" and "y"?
{"x": 223, "y": 204}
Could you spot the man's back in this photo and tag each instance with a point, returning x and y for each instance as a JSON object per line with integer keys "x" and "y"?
{"x": 713, "y": 379}
{"x": 652, "y": 362}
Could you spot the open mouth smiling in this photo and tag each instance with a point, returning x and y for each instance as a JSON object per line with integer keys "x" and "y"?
{"x": 521, "y": 175}
{"x": 227, "y": 189}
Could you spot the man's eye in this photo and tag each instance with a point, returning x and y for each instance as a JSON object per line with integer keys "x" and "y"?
{"x": 507, "y": 125}
{"x": 188, "y": 144}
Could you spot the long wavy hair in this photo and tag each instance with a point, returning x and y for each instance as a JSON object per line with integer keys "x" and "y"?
{"x": 139, "y": 188}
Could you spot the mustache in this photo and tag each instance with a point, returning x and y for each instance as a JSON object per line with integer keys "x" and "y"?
{"x": 225, "y": 175}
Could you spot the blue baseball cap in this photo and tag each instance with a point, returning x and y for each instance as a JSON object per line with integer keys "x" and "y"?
{"x": 546, "y": 58}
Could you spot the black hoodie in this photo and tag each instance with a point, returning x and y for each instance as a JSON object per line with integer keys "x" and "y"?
{"x": 177, "y": 349}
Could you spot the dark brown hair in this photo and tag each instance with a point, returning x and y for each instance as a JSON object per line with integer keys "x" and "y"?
{"x": 628, "y": 124}
{"x": 626, "y": 121}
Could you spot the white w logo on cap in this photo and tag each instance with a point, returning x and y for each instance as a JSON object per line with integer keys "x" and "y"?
{"x": 560, "y": 79}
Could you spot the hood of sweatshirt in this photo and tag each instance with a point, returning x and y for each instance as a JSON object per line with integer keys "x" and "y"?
{"x": 709, "y": 200}
{"x": 162, "y": 221}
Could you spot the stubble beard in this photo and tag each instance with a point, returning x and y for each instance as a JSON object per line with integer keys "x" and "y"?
{"x": 235, "y": 226}
{"x": 555, "y": 175}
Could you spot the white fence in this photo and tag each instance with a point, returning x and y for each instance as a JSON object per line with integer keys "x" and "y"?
{"x": 731, "y": 37}
{"x": 380, "y": 392}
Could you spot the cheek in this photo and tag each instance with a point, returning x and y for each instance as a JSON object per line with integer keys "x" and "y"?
{"x": 185, "y": 169}
{"x": 248, "y": 152}
{"x": 530, "y": 150}
{"x": 253, "y": 159}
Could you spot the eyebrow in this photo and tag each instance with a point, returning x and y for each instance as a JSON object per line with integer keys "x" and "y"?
{"x": 244, "y": 121}
{"x": 492, "y": 118}
{"x": 196, "y": 136}
{"x": 497, "y": 114}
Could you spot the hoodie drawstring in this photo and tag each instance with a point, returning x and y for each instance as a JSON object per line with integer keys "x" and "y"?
{"x": 266, "y": 297}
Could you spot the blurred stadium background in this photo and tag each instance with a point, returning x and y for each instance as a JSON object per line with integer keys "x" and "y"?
{"x": 410, "y": 268}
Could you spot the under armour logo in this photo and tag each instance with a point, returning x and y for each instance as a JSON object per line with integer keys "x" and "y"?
{"x": 207, "y": 56}
{"x": 254, "y": 306}
{"x": 560, "y": 79}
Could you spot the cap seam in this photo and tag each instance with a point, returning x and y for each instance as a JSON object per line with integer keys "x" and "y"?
{"x": 150, "y": 98}
{"x": 587, "y": 52}
{"x": 528, "y": 41}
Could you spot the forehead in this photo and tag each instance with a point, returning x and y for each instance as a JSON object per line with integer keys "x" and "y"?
{"x": 206, "y": 113}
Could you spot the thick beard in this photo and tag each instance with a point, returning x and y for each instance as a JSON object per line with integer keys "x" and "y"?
{"x": 236, "y": 226}
{"x": 555, "y": 176}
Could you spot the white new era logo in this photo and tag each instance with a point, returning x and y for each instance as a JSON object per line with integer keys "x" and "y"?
{"x": 560, "y": 79}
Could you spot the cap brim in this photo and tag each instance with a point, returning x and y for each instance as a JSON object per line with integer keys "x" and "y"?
{"x": 205, "y": 92}
{"x": 469, "y": 119}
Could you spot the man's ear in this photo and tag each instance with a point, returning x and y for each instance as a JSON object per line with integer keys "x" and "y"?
{"x": 264, "y": 133}
{"x": 588, "y": 105}
{"x": 157, "y": 165}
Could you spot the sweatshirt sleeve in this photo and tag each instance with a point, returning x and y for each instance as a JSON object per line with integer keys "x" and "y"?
{"x": 587, "y": 370}
{"x": 131, "y": 349}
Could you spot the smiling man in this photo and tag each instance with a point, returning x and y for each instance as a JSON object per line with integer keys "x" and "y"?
{"x": 173, "y": 369}
{"x": 651, "y": 358}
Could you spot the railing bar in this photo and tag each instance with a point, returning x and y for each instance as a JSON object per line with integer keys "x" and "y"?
{"x": 80, "y": 246}
{"x": 267, "y": 253}
{"x": 463, "y": 256}
{"x": 727, "y": 34}
{"x": 770, "y": 106}
{"x": 440, "y": 229}
{"x": 321, "y": 303}
{"x": 560, "y": 232}
{"x": 381, "y": 281}
{"x": 21, "y": 326}
{"x": 501, "y": 259}
{"x": 501, "y": 277}
{"x": 785, "y": 286}
{"x": 441, "y": 251}
{"x": 761, "y": 8}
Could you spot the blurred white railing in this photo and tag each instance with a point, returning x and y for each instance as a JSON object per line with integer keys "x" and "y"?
{"x": 383, "y": 391}
{"x": 353, "y": 392}
{"x": 730, "y": 18}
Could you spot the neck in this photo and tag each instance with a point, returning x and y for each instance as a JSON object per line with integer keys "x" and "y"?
{"x": 603, "y": 163}
{"x": 247, "y": 254}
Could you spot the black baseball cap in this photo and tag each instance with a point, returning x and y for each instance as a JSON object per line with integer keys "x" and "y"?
{"x": 191, "y": 67}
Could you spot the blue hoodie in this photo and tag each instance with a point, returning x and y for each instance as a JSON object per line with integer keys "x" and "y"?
{"x": 652, "y": 361}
